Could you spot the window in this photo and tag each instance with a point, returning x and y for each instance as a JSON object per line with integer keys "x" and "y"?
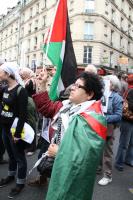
{"x": 106, "y": 8}
{"x": 29, "y": 31}
{"x": 31, "y": 9}
{"x": 88, "y": 31}
{"x": 105, "y": 30}
{"x": 37, "y": 8}
{"x": 87, "y": 55}
{"x": 45, "y": 3}
{"x": 36, "y": 24}
{"x": 89, "y": 6}
{"x": 35, "y": 40}
{"x": 113, "y": 16}
{"x": 43, "y": 37}
{"x": 111, "y": 37}
{"x": 122, "y": 23}
{"x": 28, "y": 45}
{"x": 33, "y": 63}
{"x": 44, "y": 21}
{"x": 28, "y": 61}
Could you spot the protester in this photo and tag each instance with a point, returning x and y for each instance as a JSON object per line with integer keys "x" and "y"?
{"x": 2, "y": 148}
{"x": 91, "y": 68}
{"x": 45, "y": 138}
{"x": 130, "y": 81}
{"x": 125, "y": 149}
{"x": 81, "y": 142}
{"x": 28, "y": 76}
{"x": 124, "y": 85}
{"x": 14, "y": 105}
{"x": 113, "y": 117}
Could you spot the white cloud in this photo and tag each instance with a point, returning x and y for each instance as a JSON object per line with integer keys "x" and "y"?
{"x": 6, "y": 4}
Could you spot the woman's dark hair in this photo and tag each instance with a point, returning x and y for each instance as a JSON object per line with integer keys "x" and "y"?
{"x": 92, "y": 83}
{"x": 12, "y": 77}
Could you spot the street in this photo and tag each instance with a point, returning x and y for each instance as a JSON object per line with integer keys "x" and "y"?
{"x": 117, "y": 190}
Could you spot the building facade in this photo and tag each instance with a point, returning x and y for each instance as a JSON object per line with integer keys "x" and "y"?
{"x": 102, "y": 32}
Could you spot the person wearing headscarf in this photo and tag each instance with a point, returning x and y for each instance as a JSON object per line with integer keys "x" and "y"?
{"x": 14, "y": 105}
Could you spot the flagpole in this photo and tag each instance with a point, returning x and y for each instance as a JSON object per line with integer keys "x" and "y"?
{"x": 50, "y": 33}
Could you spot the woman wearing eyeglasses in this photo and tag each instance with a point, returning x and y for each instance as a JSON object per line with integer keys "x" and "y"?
{"x": 82, "y": 128}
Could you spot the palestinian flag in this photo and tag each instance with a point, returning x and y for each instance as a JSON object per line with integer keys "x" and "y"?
{"x": 60, "y": 51}
{"x": 80, "y": 151}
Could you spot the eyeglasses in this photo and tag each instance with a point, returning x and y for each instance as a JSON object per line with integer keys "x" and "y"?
{"x": 76, "y": 86}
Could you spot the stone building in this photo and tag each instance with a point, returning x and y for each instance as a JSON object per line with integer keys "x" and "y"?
{"x": 102, "y": 32}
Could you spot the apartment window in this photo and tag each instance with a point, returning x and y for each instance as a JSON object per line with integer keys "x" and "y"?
{"x": 43, "y": 37}
{"x": 129, "y": 29}
{"x": 37, "y": 8}
{"x": 122, "y": 5}
{"x": 111, "y": 37}
{"x": 28, "y": 58}
{"x": 41, "y": 62}
{"x": 29, "y": 31}
{"x": 121, "y": 42}
{"x": 45, "y": 3}
{"x": 122, "y": 20}
{"x": 22, "y": 32}
{"x": 28, "y": 44}
{"x": 36, "y": 25}
{"x": 88, "y": 31}
{"x": 106, "y": 8}
{"x": 44, "y": 21}
{"x": 31, "y": 10}
{"x": 113, "y": 16}
{"x": 23, "y": 18}
{"x": 105, "y": 30}
{"x": 33, "y": 63}
{"x": 35, "y": 40}
{"x": 129, "y": 45}
{"x": 89, "y": 6}
{"x": 87, "y": 55}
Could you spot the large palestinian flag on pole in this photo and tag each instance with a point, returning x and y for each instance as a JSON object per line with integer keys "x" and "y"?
{"x": 59, "y": 50}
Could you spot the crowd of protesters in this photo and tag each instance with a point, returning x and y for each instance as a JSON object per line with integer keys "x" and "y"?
{"x": 76, "y": 131}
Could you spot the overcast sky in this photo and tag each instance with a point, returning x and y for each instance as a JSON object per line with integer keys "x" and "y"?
{"x": 4, "y": 4}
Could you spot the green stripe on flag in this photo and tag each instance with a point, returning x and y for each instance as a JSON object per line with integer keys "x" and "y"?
{"x": 54, "y": 53}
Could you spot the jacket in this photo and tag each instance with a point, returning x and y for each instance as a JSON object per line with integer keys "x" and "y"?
{"x": 115, "y": 106}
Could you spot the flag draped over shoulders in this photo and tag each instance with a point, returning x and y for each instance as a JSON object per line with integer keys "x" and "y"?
{"x": 74, "y": 170}
{"x": 60, "y": 51}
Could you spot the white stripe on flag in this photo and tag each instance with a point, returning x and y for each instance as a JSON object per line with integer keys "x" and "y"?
{"x": 62, "y": 50}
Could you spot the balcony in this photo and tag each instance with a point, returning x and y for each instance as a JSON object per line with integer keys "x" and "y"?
{"x": 88, "y": 37}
